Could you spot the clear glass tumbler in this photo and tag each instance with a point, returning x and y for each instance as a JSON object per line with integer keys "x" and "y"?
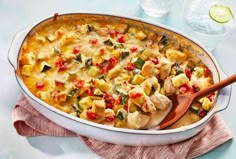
{"x": 156, "y": 8}
{"x": 200, "y": 25}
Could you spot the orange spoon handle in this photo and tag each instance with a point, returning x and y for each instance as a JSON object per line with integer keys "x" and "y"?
{"x": 215, "y": 87}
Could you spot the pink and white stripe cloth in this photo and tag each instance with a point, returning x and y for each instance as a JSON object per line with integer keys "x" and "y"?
{"x": 28, "y": 122}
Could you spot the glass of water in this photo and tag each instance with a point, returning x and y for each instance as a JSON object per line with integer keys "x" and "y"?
{"x": 208, "y": 21}
{"x": 156, "y": 8}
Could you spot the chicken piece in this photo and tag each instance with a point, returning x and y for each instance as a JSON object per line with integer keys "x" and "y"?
{"x": 149, "y": 69}
{"x": 27, "y": 70}
{"x": 121, "y": 28}
{"x": 160, "y": 101}
{"x": 165, "y": 67}
{"x": 27, "y": 58}
{"x": 176, "y": 55}
{"x": 98, "y": 107}
{"x": 137, "y": 120}
{"x": 148, "y": 106}
{"x": 169, "y": 88}
{"x": 138, "y": 97}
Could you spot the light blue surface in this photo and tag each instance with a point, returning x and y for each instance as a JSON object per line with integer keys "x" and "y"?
{"x": 19, "y": 14}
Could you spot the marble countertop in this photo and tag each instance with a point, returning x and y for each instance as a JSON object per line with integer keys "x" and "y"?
{"x": 19, "y": 14}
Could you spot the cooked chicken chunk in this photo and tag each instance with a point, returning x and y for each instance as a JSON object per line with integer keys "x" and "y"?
{"x": 149, "y": 69}
{"x": 160, "y": 101}
{"x": 137, "y": 120}
{"x": 169, "y": 88}
{"x": 164, "y": 67}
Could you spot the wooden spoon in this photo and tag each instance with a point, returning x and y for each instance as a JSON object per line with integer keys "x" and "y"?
{"x": 181, "y": 103}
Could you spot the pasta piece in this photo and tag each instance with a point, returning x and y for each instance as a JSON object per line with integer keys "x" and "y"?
{"x": 27, "y": 70}
{"x": 165, "y": 68}
{"x": 176, "y": 56}
{"x": 136, "y": 120}
{"x": 160, "y": 101}
{"x": 180, "y": 80}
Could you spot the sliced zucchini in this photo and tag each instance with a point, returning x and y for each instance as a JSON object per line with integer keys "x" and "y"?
{"x": 194, "y": 109}
{"x": 139, "y": 63}
{"x": 108, "y": 42}
{"x": 78, "y": 58}
{"x": 163, "y": 40}
{"x": 88, "y": 62}
{"x": 123, "y": 99}
{"x": 121, "y": 114}
{"x": 124, "y": 54}
{"x": 44, "y": 66}
{"x": 72, "y": 92}
{"x": 97, "y": 92}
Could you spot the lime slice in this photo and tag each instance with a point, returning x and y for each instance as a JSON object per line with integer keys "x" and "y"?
{"x": 220, "y": 13}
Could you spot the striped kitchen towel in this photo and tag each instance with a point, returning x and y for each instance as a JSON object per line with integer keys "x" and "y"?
{"x": 28, "y": 122}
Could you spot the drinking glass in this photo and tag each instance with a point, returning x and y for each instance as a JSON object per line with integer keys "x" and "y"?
{"x": 199, "y": 24}
{"x": 156, "y": 8}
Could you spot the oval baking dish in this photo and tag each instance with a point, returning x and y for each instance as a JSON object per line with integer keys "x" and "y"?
{"x": 112, "y": 134}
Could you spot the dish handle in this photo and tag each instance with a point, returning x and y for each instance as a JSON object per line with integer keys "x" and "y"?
{"x": 15, "y": 47}
{"x": 224, "y": 94}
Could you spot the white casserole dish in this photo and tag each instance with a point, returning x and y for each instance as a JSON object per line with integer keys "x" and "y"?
{"x": 120, "y": 135}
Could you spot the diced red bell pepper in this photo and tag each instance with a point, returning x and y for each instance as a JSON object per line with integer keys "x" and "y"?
{"x": 112, "y": 33}
{"x": 59, "y": 33}
{"x": 126, "y": 107}
{"x": 39, "y": 85}
{"x": 188, "y": 73}
{"x": 202, "y": 113}
{"x": 130, "y": 66}
{"x": 91, "y": 115}
{"x": 154, "y": 60}
{"x": 57, "y": 83}
{"x": 76, "y": 49}
{"x": 102, "y": 51}
{"x": 79, "y": 83}
{"x": 60, "y": 64}
{"x": 110, "y": 118}
{"x": 89, "y": 92}
{"x": 186, "y": 89}
{"x": 211, "y": 96}
{"x": 93, "y": 41}
{"x": 120, "y": 38}
{"x": 135, "y": 95}
{"x": 109, "y": 105}
{"x": 117, "y": 101}
{"x": 206, "y": 71}
{"x": 133, "y": 49}
{"x": 109, "y": 100}
{"x": 112, "y": 60}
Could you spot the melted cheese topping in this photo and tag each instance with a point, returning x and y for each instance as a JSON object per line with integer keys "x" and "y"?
{"x": 110, "y": 73}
